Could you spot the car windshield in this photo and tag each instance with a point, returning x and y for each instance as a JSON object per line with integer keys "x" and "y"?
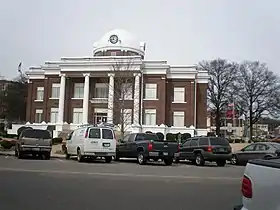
{"x": 42, "y": 134}
{"x": 219, "y": 141}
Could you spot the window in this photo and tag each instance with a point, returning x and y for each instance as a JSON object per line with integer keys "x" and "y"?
{"x": 125, "y": 139}
{"x": 101, "y": 90}
{"x": 36, "y": 133}
{"x": 54, "y": 115}
{"x": 77, "y": 115}
{"x": 107, "y": 134}
{"x": 187, "y": 143}
{"x": 261, "y": 147}
{"x": 38, "y": 115}
{"x": 94, "y": 133}
{"x": 194, "y": 142}
{"x": 178, "y": 119}
{"x": 146, "y": 136}
{"x": 249, "y": 148}
{"x": 126, "y": 91}
{"x": 79, "y": 90}
{"x": 55, "y": 90}
{"x": 203, "y": 142}
{"x": 126, "y": 116}
{"x": 113, "y": 53}
{"x": 150, "y": 117}
{"x": 151, "y": 91}
{"x": 219, "y": 141}
{"x": 179, "y": 95}
{"x": 40, "y": 93}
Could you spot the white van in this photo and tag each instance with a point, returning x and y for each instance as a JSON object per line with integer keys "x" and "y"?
{"x": 91, "y": 142}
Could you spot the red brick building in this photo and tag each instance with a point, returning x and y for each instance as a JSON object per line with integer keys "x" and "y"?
{"x": 79, "y": 90}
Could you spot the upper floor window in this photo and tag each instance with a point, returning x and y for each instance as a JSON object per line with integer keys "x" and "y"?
{"x": 78, "y": 90}
{"x": 101, "y": 90}
{"x": 40, "y": 93}
{"x": 151, "y": 91}
{"x": 55, "y": 90}
{"x": 178, "y": 119}
{"x": 126, "y": 91}
{"x": 179, "y": 95}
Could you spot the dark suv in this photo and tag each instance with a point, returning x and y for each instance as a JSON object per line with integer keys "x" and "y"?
{"x": 201, "y": 149}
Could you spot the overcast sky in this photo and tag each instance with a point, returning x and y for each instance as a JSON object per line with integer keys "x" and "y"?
{"x": 179, "y": 31}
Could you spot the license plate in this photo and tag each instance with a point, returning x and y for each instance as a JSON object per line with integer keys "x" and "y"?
{"x": 222, "y": 150}
{"x": 106, "y": 145}
{"x": 36, "y": 149}
{"x": 165, "y": 153}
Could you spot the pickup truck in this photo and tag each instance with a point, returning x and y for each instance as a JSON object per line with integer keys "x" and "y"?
{"x": 146, "y": 146}
{"x": 35, "y": 142}
{"x": 260, "y": 185}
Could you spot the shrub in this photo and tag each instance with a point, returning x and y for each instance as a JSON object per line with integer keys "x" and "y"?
{"x": 230, "y": 140}
{"x": 237, "y": 141}
{"x": 57, "y": 140}
{"x": 148, "y": 132}
{"x": 160, "y": 136}
{"x": 19, "y": 131}
{"x": 211, "y": 134}
{"x": 170, "y": 137}
{"x": 185, "y": 136}
{"x": 7, "y": 144}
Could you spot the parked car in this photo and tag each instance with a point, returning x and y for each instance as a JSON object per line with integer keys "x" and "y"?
{"x": 260, "y": 150}
{"x": 205, "y": 148}
{"x": 146, "y": 146}
{"x": 91, "y": 142}
{"x": 35, "y": 142}
{"x": 260, "y": 185}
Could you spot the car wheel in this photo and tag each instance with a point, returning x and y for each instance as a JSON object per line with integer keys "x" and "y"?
{"x": 168, "y": 161}
{"x": 67, "y": 156}
{"x": 47, "y": 156}
{"x": 234, "y": 160}
{"x": 108, "y": 159}
{"x": 141, "y": 159}
{"x": 19, "y": 156}
{"x": 221, "y": 163}
{"x": 177, "y": 160}
{"x": 199, "y": 159}
{"x": 16, "y": 153}
{"x": 80, "y": 158}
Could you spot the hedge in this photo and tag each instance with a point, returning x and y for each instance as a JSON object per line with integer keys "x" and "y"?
{"x": 7, "y": 144}
{"x": 160, "y": 136}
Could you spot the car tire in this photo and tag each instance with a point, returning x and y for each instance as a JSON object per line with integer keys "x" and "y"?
{"x": 80, "y": 157}
{"x": 47, "y": 156}
{"x": 20, "y": 156}
{"x": 108, "y": 159}
{"x": 168, "y": 161}
{"x": 199, "y": 159}
{"x": 234, "y": 160}
{"x": 67, "y": 156}
{"x": 221, "y": 163}
{"x": 16, "y": 153}
{"x": 141, "y": 159}
{"x": 177, "y": 160}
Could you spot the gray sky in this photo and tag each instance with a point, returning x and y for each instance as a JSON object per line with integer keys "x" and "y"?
{"x": 179, "y": 31}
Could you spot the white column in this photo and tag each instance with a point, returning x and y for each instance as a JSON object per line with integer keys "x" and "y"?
{"x": 136, "y": 105}
{"x": 111, "y": 98}
{"x": 61, "y": 99}
{"x": 86, "y": 98}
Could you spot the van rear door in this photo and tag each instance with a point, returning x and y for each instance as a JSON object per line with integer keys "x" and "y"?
{"x": 108, "y": 140}
{"x": 92, "y": 142}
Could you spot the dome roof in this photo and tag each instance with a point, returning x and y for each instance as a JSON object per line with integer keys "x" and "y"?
{"x": 119, "y": 39}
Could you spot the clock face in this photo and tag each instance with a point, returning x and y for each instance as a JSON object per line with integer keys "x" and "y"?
{"x": 114, "y": 39}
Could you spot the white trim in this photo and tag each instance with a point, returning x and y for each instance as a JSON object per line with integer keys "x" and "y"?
{"x": 147, "y": 99}
{"x": 55, "y": 85}
{"x": 100, "y": 110}
{"x": 39, "y": 111}
{"x": 176, "y": 102}
{"x": 37, "y": 100}
{"x": 76, "y": 98}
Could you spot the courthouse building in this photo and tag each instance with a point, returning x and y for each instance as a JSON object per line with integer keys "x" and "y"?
{"x": 80, "y": 90}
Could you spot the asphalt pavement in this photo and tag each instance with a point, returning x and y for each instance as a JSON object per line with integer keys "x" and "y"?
{"x": 60, "y": 184}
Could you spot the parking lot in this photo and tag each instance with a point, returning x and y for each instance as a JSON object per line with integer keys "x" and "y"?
{"x": 67, "y": 184}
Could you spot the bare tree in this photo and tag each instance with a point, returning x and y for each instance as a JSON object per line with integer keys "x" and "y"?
{"x": 257, "y": 92}
{"x": 222, "y": 74}
{"x": 123, "y": 70}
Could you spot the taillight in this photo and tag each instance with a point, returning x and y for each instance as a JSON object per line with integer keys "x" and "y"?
{"x": 209, "y": 149}
{"x": 150, "y": 147}
{"x": 247, "y": 190}
{"x": 86, "y": 134}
